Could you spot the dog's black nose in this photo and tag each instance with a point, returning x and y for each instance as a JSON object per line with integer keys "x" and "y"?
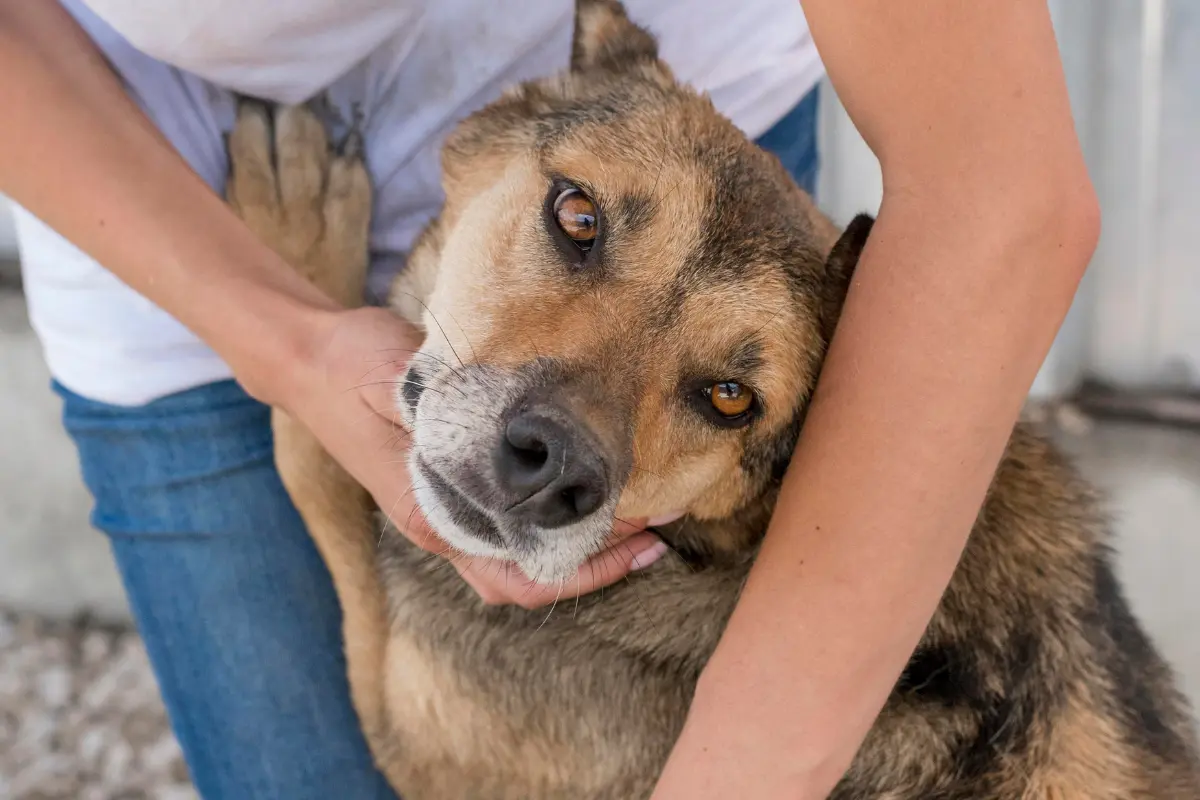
{"x": 549, "y": 469}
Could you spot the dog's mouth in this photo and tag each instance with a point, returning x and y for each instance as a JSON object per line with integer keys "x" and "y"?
{"x": 546, "y": 556}
{"x": 463, "y": 513}
{"x": 469, "y": 520}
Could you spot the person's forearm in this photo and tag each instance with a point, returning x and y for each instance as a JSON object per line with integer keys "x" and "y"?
{"x": 82, "y": 157}
{"x": 986, "y": 227}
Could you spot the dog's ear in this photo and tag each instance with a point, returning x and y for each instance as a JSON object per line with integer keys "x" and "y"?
{"x": 839, "y": 269}
{"x": 605, "y": 38}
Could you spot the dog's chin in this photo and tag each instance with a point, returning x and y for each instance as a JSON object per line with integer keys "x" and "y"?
{"x": 545, "y": 556}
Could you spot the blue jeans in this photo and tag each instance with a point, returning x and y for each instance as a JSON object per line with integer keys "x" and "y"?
{"x": 236, "y": 607}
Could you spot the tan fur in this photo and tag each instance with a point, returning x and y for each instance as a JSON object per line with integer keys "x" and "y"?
{"x": 1032, "y": 681}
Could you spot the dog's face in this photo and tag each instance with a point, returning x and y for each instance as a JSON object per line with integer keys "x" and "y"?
{"x": 631, "y": 306}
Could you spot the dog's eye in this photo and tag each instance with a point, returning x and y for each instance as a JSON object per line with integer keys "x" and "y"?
{"x": 575, "y": 215}
{"x": 725, "y": 404}
{"x": 730, "y": 399}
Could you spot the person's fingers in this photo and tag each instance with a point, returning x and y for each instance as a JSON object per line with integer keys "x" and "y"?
{"x": 384, "y": 472}
{"x": 625, "y": 528}
{"x": 384, "y": 370}
{"x": 370, "y": 353}
{"x": 498, "y": 583}
{"x": 380, "y": 386}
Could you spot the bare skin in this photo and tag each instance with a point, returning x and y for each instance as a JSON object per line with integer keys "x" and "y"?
{"x": 987, "y": 224}
{"x": 971, "y": 123}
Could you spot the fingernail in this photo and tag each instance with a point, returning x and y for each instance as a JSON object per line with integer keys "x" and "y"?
{"x": 649, "y": 556}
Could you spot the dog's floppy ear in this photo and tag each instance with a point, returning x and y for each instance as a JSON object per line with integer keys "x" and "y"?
{"x": 605, "y": 38}
{"x": 839, "y": 269}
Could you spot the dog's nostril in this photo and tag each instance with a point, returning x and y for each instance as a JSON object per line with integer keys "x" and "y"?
{"x": 581, "y": 499}
{"x": 531, "y": 456}
{"x": 527, "y": 444}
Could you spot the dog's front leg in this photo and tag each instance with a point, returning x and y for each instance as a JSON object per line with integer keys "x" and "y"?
{"x": 312, "y": 206}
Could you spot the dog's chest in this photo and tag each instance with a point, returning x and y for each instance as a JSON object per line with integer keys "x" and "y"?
{"x": 478, "y": 708}
{"x": 451, "y": 740}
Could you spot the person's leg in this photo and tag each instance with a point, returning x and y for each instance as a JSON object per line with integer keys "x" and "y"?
{"x": 235, "y": 605}
{"x": 794, "y": 140}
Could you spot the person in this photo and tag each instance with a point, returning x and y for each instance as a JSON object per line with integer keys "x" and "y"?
{"x": 168, "y": 356}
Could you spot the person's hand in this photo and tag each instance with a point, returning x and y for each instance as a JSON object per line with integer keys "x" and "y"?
{"x": 343, "y": 388}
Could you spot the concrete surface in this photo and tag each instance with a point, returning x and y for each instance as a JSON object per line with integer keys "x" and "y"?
{"x": 53, "y": 564}
{"x": 80, "y": 716}
{"x": 51, "y": 561}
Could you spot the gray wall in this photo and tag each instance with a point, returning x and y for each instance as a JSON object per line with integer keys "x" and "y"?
{"x": 1133, "y": 71}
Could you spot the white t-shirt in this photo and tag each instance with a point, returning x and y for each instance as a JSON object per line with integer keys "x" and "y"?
{"x": 413, "y": 67}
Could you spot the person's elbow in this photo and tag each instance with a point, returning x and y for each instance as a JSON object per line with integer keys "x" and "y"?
{"x": 1061, "y": 213}
{"x": 1041, "y": 217}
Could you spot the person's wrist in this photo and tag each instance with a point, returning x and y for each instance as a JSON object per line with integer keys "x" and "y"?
{"x": 281, "y": 366}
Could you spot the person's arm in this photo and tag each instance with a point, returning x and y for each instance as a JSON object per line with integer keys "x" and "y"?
{"x": 77, "y": 152}
{"x": 987, "y": 223}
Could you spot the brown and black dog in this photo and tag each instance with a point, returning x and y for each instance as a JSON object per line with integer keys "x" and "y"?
{"x": 627, "y": 304}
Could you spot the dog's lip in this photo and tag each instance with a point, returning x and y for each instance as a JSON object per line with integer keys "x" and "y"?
{"x": 664, "y": 519}
{"x": 476, "y": 523}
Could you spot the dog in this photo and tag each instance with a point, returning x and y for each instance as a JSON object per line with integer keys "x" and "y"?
{"x": 626, "y": 306}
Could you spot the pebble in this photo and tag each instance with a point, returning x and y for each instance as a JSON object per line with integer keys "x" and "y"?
{"x": 80, "y": 716}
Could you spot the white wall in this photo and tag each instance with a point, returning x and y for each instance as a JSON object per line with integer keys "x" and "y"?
{"x": 8, "y": 237}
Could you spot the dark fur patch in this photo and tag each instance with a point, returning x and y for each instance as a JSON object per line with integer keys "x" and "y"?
{"x": 412, "y": 389}
{"x": 559, "y": 116}
{"x": 632, "y": 213}
{"x": 741, "y": 198}
{"x": 745, "y": 360}
{"x": 942, "y": 674}
{"x": 839, "y": 268}
{"x": 766, "y": 461}
{"x": 1006, "y": 717}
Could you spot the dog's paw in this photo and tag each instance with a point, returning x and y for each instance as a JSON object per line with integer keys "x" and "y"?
{"x": 308, "y": 200}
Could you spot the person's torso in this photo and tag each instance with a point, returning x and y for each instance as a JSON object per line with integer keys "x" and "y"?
{"x": 413, "y": 68}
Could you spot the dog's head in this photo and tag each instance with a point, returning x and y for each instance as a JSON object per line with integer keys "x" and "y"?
{"x": 631, "y": 306}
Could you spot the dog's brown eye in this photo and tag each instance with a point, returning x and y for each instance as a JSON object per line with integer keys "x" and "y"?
{"x": 730, "y": 399}
{"x": 575, "y": 213}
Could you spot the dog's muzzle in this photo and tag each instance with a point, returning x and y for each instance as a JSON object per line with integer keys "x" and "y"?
{"x": 514, "y": 464}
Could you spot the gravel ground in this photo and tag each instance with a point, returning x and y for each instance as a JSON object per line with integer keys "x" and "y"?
{"x": 80, "y": 716}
